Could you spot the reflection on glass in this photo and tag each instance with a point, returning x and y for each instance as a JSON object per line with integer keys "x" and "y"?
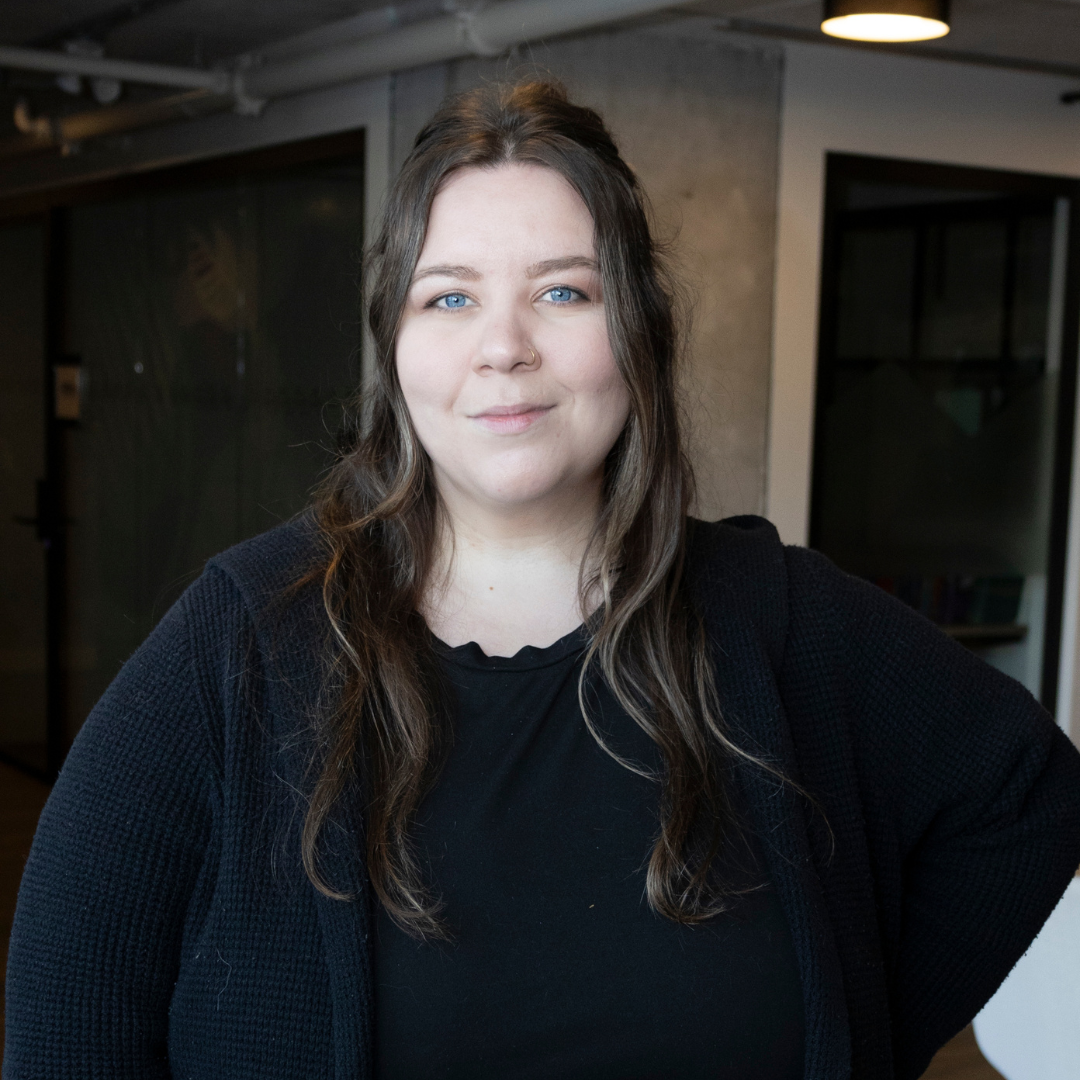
{"x": 938, "y": 386}
{"x": 214, "y": 325}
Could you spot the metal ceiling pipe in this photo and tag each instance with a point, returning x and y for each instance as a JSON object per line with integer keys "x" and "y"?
{"x": 49, "y": 132}
{"x": 125, "y": 70}
{"x": 486, "y": 31}
{"x": 129, "y": 116}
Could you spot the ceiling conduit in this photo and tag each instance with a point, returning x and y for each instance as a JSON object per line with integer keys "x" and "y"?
{"x": 487, "y": 31}
{"x": 125, "y": 70}
{"x": 484, "y": 31}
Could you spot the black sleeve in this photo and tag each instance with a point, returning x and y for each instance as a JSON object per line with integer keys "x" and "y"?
{"x": 969, "y": 796}
{"x": 125, "y": 841}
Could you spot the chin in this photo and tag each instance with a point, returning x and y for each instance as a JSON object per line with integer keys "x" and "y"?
{"x": 518, "y": 488}
{"x": 519, "y": 496}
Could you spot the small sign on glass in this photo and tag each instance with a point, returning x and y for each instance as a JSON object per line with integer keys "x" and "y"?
{"x": 67, "y": 383}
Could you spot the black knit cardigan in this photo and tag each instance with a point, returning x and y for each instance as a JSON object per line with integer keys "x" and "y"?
{"x": 164, "y": 927}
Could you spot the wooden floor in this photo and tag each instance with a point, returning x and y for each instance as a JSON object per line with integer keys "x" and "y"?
{"x": 961, "y": 1060}
{"x": 21, "y": 800}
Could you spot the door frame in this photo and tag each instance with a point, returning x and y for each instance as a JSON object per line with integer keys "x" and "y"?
{"x": 923, "y": 110}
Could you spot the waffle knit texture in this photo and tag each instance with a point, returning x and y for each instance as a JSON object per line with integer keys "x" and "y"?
{"x": 165, "y": 928}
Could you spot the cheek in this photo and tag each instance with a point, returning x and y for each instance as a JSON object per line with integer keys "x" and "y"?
{"x": 411, "y": 358}
{"x": 594, "y": 374}
{"x": 613, "y": 409}
{"x": 424, "y": 372}
{"x": 602, "y": 406}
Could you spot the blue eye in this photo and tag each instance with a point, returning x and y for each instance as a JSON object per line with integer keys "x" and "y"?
{"x": 453, "y": 301}
{"x": 561, "y": 294}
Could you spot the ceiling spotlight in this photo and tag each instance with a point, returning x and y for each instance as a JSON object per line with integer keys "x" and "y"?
{"x": 886, "y": 20}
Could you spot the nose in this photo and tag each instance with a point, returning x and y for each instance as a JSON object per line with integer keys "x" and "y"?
{"x": 504, "y": 345}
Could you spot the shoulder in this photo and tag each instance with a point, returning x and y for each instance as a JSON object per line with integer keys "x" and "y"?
{"x": 741, "y": 561}
{"x": 738, "y": 576}
{"x": 733, "y": 539}
{"x": 267, "y": 566}
{"x": 248, "y": 601}
{"x": 884, "y": 652}
{"x": 814, "y": 616}
{"x": 871, "y": 635}
{"x": 735, "y": 555}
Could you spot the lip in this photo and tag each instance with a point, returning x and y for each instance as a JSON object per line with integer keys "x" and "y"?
{"x": 511, "y": 419}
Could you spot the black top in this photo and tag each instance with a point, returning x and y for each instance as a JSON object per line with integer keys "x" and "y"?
{"x": 536, "y": 840}
{"x": 166, "y": 928}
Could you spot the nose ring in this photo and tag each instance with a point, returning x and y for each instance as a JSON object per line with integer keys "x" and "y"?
{"x": 532, "y": 354}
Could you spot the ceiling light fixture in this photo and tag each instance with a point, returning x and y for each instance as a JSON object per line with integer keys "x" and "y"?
{"x": 886, "y": 20}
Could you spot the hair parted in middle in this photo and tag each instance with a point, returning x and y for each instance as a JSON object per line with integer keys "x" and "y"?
{"x": 379, "y": 515}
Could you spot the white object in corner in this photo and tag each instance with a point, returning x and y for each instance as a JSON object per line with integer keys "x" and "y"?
{"x": 1030, "y": 1029}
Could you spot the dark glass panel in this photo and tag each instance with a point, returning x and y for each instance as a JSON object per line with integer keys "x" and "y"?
{"x": 214, "y": 325}
{"x": 22, "y": 465}
{"x": 937, "y": 405}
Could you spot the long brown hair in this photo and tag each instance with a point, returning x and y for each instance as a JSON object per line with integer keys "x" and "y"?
{"x": 379, "y": 513}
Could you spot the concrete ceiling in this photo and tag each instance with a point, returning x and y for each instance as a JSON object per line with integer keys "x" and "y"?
{"x": 206, "y": 31}
{"x": 199, "y": 32}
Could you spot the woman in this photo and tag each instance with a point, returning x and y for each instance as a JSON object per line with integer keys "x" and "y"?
{"x": 497, "y": 765}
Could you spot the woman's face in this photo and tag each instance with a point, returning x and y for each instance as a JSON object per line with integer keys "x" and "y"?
{"x": 503, "y": 353}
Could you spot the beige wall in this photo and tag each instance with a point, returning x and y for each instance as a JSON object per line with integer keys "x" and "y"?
{"x": 697, "y": 116}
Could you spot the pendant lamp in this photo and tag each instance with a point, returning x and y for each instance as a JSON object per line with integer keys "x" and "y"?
{"x": 886, "y": 20}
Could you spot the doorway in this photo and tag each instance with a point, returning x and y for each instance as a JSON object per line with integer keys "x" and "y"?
{"x": 945, "y": 395}
{"x": 179, "y": 349}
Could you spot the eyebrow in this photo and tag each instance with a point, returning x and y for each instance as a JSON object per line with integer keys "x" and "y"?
{"x": 547, "y": 266}
{"x": 568, "y": 262}
{"x": 467, "y": 273}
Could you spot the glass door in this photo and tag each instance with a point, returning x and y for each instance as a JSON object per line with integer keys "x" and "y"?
{"x": 946, "y": 379}
{"x": 175, "y": 352}
{"x": 216, "y": 326}
{"x": 22, "y": 467}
